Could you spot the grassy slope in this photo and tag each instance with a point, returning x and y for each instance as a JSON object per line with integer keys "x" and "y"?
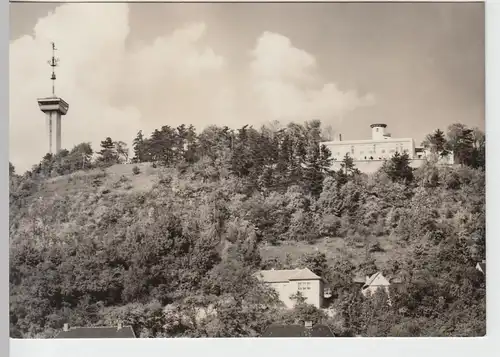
{"x": 79, "y": 182}
{"x": 334, "y": 248}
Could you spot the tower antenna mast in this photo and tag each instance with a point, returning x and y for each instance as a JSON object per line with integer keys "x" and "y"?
{"x": 54, "y": 62}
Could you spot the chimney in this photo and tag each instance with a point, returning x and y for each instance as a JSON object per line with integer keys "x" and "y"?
{"x": 120, "y": 326}
{"x": 308, "y": 324}
{"x": 66, "y": 327}
{"x": 340, "y": 137}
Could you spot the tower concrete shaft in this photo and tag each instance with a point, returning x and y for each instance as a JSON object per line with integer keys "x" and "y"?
{"x": 53, "y": 108}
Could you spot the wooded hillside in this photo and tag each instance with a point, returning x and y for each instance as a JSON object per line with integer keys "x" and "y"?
{"x": 95, "y": 240}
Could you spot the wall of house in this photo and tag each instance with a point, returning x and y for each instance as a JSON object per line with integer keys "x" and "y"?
{"x": 284, "y": 291}
{"x": 364, "y": 149}
{"x": 371, "y": 166}
{"x": 312, "y": 290}
{"x": 372, "y": 289}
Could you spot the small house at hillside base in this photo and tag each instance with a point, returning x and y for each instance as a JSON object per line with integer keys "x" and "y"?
{"x": 97, "y": 332}
{"x": 373, "y": 283}
{"x": 290, "y": 282}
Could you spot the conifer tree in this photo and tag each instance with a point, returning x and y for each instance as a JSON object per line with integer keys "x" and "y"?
{"x": 108, "y": 155}
{"x": 398, "y": 168}
{"x": 138, "y": 147}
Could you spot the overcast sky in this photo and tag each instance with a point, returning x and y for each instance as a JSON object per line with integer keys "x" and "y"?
{"x": 127, "y": 67}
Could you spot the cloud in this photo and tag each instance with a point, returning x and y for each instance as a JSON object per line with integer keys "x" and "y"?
{"x": 111, "y": 89}
{"x": 89, "y": 71}
{"x": 287, "y": 83}
{"x": 115, "y": 88}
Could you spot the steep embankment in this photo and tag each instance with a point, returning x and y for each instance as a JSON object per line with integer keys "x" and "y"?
{"x": 57, "y": 207}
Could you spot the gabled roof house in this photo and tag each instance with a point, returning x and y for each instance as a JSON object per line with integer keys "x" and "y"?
{"x": 292, "y": 281}
{"x": 374, "y": 282}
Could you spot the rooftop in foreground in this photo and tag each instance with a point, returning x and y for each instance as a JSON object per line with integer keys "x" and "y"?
{"x": 97, "y": 332}
{"x": 298, "y": 331}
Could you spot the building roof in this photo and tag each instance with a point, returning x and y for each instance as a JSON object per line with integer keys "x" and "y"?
{"x": 277, "y": 276}
{"x": 377, "y": 279}
{"x": 98, "y": 332}
{"x": 378, "y": 125}
{"x": 297, "y": 331}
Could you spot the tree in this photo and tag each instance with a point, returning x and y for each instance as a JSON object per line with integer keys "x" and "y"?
{"x": 347, "y": 170}
{"x": 313, "y": 173}
{"x": 328, "y": 133}
{"x": 121, "y": 151}
{"x": 140, "y": 148}
{"x": 461, "y": 142}
{"x": 241, "y": 157}
{"x": 347, "y": 166}
{"x": 317, "y": 160}
{"x": 316, "y": 262}
{"x": 191, "y": 152}
{"x": 80, "y": 157}
{"x": 436, "y": 143}
{"x": 12, "y": 169}
{"x": 478, "y": 156}
{"x": 163, "y": 144}
{"x": 108, "y": 155}
{"x": 398, "y": 168}
{"x": 180, "y": 142}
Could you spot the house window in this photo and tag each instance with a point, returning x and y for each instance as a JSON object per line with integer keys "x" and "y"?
{"x": 376, "y": 130}
{"x": 352, "y": 150}
{"x": 304, "y": 285}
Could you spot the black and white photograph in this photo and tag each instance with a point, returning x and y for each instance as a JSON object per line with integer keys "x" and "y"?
{"x": 268, "y": 170}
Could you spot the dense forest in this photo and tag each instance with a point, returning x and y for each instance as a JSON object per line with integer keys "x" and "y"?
{"x": 163, "y": 238}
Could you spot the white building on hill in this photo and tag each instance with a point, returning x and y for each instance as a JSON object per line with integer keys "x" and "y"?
{"x": 289, "y": 282}
{"x": 369, "y": 154}
{"x": 380, "y": 146}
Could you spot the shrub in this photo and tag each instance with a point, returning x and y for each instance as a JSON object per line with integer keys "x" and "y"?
{"x": 136, "y": 170}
